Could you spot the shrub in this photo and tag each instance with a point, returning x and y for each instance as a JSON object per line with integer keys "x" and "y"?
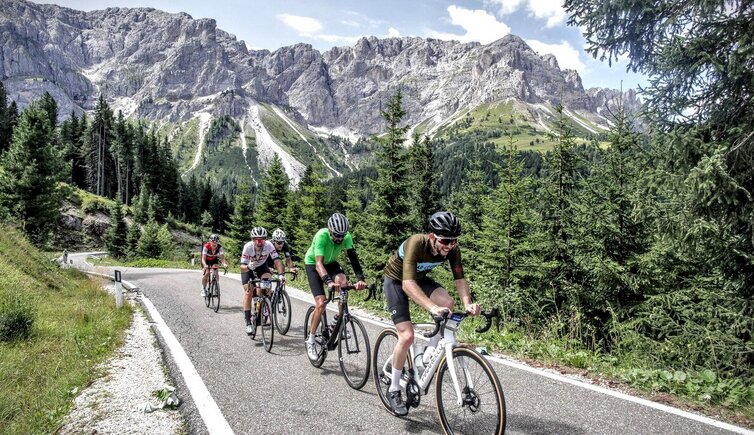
{"x": 16, "y": 317}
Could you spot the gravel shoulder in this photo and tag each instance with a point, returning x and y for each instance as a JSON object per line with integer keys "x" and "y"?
{"x": 115, "y": 403}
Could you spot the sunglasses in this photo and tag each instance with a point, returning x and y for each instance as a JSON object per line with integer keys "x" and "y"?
{"x": 446, "y": 242}
{"x": 278, "y": 243}
{"x": 261, "y": 239}
{"x": 338, "y": 238}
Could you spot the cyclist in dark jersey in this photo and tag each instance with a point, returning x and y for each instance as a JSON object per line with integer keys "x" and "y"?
{"x": 284, "y": 250}
{"x": 212, "y": 253}
{"x": 322, "y": 269}
{"x": 406, "y": 277}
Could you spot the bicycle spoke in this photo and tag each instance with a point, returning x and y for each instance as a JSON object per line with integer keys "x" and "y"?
{"x": 354, "y": 353}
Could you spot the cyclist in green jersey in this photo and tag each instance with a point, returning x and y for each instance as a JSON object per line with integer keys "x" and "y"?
{"x": 406, "y": 277}
{"x": 322, "y": 269}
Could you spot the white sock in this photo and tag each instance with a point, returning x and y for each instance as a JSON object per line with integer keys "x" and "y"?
{"x": 310, "y": 339}
{"x": 396, "y": 385}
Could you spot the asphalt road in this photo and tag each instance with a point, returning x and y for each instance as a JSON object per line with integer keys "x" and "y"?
{"x": 280, "y": 392}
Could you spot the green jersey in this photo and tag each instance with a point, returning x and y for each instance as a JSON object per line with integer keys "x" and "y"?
{"x": 322, "y": 245}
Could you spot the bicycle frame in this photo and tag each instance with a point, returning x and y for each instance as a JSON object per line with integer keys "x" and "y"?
{"x": 343, "y": 316}
{"x": 447, "y": 343}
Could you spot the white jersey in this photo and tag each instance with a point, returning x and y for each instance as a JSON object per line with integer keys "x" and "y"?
{"x": 253, "y": 259}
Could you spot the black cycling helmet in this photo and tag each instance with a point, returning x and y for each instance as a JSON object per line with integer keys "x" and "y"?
{"x": 444, "y": 224}
{"x": 338, "y": 225}
{"x": 258, "y": 233}
{"x": 214, "y": 238}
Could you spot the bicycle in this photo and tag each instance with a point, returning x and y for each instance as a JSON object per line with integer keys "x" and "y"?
{"x": 348, "y": 335}
{"x": 281, "y": 304}
{"x": 212, "y": 294}
{"x": 468, "y": 400}
{"x": 261, "y": 311}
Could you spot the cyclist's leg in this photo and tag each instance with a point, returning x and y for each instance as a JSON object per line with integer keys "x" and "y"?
{"x": 397, "y": 303}
{"x": 245, "y": 277}
{"x": 334, "y": 270}
{"x": 318, "y": 291}
{"x": 439, "y": 296}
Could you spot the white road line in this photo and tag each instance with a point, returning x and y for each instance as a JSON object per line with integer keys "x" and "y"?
{"x": 208, "y": 409}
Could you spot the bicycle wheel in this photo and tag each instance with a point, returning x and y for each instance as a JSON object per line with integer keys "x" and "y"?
{"x": 482, "y": 408}
{"x": 216, "y": 294}
{"x": 208, "y": 294}
{"x": 382, "y": 364}
{"x": 320, "y": 336}
{"x": 266, "y": 323}
{"x": 282, "y": 311}
{"x": 354, "y": 353}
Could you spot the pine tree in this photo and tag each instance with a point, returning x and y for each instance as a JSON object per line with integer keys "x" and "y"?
{"x": 424, "y": 180}
{"x": 469, "y": 203}
{"x": 390, "y": 211}
{"x": 273, "y": 196}
{"x": 116, "y": 236}
{"x": 29, "y": 175}
{"x": 313, "y": 214}
{"x": 99, "y": 159}
{"x": 8, "y": 118}
{"x": 49, "y": 106}
{"x": 167, "y": 244}
{"x": 132, "y": 239}
{"x": 149, "y": 245}
{"x": 141, "y": 205}
{"x": 241, "y": 222}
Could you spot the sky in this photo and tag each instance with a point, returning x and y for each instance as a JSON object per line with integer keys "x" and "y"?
{"x": 271, "y": 24}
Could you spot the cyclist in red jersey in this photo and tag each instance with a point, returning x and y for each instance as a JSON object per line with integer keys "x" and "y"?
{"x": 212, "y": 253}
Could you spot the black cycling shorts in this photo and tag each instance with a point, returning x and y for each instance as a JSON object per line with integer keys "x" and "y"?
{"x": 315, "y": 282}
{"x": 397, "y": 299}
{"x": 211, "y": 263}
{"x": 258, "y": 272}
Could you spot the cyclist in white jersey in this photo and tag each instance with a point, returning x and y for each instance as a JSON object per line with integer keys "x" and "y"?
{"x": 254, "y": 262}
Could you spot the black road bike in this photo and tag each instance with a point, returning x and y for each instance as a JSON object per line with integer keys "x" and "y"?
{"x": 262, "y": 315}
{"x": 212, "y": 293}
{"x": 281, "y": 306}
{"x": 347, "y": 334}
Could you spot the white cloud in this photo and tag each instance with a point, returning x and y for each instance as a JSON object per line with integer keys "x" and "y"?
{"x": 567, "y": 55}
{"x": 507, "y": 6}
{"x": 393, "y": 33}
{"x": 552, "y": 10}
{"x": 479, "y": 25}
{"x": 303, "y": 25}
{"x": 350, "y": 23}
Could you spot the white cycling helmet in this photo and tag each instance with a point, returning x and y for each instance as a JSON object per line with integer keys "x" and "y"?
{"x": 278, "y": 235}
{"x": 258, "y": 233}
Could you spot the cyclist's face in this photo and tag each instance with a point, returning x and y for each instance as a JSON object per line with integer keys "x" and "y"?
{"x": 278, "y": 245}
{"x": 336, "y": 239}
{"x": 259, "y": 241}
{"x": 213, "y": 242}
{"x": 444, "y": 245}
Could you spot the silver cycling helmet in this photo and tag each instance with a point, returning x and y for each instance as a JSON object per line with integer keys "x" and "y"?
{"x": 214, "y": 238}
{"x": 444, "y": 224}
{"x": 338, "y": 225}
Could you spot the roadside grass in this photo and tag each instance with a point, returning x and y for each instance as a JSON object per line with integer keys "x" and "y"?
{"x": 74, "y": 327}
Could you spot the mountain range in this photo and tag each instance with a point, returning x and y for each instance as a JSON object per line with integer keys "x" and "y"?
{"x": 218, "y": 101}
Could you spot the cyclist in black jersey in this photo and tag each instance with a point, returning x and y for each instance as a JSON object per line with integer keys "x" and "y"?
{"x": 284, "y": 250}
{"x": 406, "y": 277}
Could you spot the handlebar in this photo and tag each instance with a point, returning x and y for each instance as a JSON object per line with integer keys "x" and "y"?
{"x": 440, "y": 321}
{"x": 331, "y": 291}
{"x": 217, "y": 266}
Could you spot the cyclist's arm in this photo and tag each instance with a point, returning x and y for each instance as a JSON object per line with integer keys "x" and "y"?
{"x": 462, "y": 287}
{"x": 412, "y": 289}
{"x": 279, "y": 266}
{"x": 204, "y": 260}
{"x": 354, "y": 259}
{"x": 319, "y": 265}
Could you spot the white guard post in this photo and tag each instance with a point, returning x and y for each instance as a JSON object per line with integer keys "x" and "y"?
{"x": 118, "y": 290}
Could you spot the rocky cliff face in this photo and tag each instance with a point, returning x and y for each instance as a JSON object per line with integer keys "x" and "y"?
{"x": 169, "y": 67}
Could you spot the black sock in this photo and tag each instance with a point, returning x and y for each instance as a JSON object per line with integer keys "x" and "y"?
{"x": 247, "y": 316}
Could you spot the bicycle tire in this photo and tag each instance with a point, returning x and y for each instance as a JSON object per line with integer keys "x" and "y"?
{"x": 383, "y": 352}
{"x": 266, "y": 323}
{"x": 356, "y": 357}
{"x": 322, "y": 326}
{"x": 282, "y": 311}
{"x": 208, "y": 294}
{"x": 483, "y": 408}
{"x": 216, "y": 294}
{"x": 254, "y": 316}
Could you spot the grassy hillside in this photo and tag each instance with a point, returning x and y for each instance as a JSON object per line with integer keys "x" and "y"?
{"x": 74, "y": 327}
